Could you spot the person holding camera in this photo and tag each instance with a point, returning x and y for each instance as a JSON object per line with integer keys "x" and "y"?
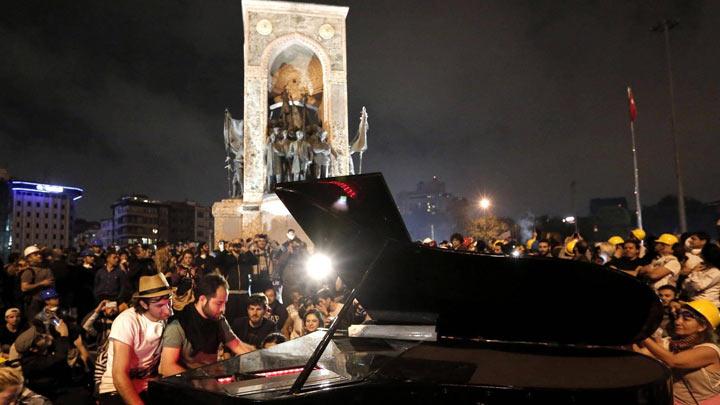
{"x": 97, "y": 323}
{"x": 50, "y": 316}
{"x": 43, "y": 357}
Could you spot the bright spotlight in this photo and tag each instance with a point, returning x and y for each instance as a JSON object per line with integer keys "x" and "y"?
{"x": 318, "y": 266}
{"x": 484, "y": 203}
{"x": 569, "y": 220}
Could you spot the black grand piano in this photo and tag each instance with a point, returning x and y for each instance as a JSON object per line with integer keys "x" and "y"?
{"x": 448, "y": 327}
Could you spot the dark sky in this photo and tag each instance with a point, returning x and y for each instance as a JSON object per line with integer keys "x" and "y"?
{"x": 514, "y": 99}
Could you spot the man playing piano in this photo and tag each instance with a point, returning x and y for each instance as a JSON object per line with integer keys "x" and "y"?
{"x": 192, "y": 340}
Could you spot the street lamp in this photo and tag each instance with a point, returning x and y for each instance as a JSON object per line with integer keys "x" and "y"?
{"x": 485, "y": 203}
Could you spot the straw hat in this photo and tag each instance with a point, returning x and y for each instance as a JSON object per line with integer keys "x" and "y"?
{"x": 153, "y": 286}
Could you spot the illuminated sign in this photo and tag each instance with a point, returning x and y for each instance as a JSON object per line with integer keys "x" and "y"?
{"x": 46, "y": 188}
{"x": 49, "y": 189}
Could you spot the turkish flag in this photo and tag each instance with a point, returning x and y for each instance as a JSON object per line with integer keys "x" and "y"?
{"x": 633, "y": 107}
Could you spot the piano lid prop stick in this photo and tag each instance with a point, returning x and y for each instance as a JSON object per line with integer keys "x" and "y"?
{"x": 312, "y": 362}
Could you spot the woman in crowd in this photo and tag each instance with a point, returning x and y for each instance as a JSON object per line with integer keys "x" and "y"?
{"x": 312, "y": 320}
{"x": 691, "y": 354}
{"x": 184, "y": 279}
{"x": 703, "y": 279}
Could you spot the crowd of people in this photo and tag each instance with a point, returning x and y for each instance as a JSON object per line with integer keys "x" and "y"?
{"x": 684, "y": 271}
{"x": 96, "y": 326}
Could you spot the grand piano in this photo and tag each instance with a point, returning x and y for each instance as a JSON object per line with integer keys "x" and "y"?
{"x": 448, "y": 327}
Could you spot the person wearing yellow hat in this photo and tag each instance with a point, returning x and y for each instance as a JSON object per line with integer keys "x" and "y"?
{"x": 666, "y": 268}
{"x": 618, "y": 242}
{"x": 638, "y": 234}
{"x": 691, "y": 354}
{"x": 497, "y": 246}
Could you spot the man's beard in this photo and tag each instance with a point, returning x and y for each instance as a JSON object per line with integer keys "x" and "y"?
{"x": 208, "y": 313}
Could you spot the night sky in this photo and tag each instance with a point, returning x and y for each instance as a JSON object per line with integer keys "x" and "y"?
{"x": 514, "y": 99}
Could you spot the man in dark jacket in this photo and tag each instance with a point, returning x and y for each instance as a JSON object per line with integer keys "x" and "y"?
{"x": 235, "y": 266}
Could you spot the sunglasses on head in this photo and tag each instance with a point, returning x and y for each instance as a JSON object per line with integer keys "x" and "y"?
{"x": 687, "y": 314}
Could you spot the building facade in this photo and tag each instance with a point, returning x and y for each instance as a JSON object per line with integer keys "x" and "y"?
{"x": 138, "y": 219}
{"x": 36, "y": 214}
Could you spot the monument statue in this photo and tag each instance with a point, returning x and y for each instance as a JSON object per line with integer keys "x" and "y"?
{"x": 301, "y": 157}
{"x": 275, "y": 157}
{"x": 359, "y": 145}
{"x": 295, "y": 79}
{"x": 321, "y": 155}
{"x": 234, "y": 155}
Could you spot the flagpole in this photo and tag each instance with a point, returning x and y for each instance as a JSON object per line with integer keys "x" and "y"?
{"x": 360, "y": 171}
{"x": 633, "y": 115}
{"x": 638, "y": 207}
{"x": 227, "y": 156}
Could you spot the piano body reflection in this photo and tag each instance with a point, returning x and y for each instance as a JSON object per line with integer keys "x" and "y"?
{"x": 448, "y": 327}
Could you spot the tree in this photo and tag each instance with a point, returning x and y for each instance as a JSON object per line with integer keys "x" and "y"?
{"x": 489, "y": 227}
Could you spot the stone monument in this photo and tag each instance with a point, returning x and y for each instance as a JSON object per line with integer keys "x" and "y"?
{"x": 295, "y": 80}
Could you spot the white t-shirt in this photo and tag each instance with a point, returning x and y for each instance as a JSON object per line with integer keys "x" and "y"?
{"x": 671, "y": 263}
{"x": 144, "y": 337}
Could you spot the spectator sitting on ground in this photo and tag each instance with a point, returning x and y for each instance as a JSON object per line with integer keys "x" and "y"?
{"x": 294, "y": 322}
{"x": 193, "y": 338}
{"x": 10, "y": 330}
{"x": 272, "y": 340}
{"x": 50, "y": 314}
{"x": 329, "y": 308}
{"x": 276, "y": 311}
{"x": 13, "y": 389}
{"x": 253, "y": 328}
{"x": 11, "y": 385}
{"x": 312, "y": 321}
{"x": 97, "y": 324}
{"x": 43, "y": 358}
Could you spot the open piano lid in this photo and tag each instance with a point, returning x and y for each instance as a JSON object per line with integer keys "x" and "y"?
{"x": 354, "y": 218}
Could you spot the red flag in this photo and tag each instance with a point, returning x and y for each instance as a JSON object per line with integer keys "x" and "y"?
{"x": 633, "y": 107}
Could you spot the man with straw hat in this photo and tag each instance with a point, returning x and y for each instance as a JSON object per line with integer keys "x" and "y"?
{"x": 135, "y": 340}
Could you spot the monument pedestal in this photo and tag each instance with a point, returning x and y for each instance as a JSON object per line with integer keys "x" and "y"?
{"x": 236, "y": 218}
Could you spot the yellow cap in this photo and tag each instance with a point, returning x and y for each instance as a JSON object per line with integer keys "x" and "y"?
{"x": 570, "y": 246}
{"x": 615, "y": 240}
{"x": 668, "y": 239}
{"x": 638, "y": 233}
{"x": 708, "y": 310}
{"x": 529, "y": 243}
{"x": 499, "y": 242}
